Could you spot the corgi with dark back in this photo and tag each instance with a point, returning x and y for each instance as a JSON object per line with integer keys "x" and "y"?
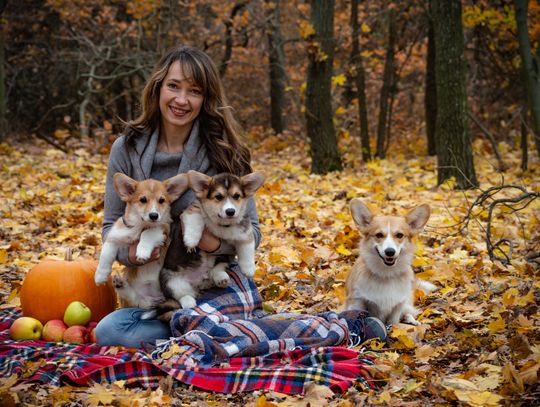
{"x": 382, "y": 280}
{"x": 221, "y": 208}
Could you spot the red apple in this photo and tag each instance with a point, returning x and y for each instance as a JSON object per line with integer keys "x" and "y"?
{"x": 53, "y": 331}
{"x": 76, "y": 334}
{"x": 92, "y": 336}
{"x": 91, "y": 325}
{"x": 25, "y": 328}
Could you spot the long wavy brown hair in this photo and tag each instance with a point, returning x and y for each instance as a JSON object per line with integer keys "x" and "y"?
{"x": 218, "y": 129}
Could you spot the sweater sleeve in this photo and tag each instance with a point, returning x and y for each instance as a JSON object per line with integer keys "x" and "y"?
{"x": 251, "y": 210}
{"x": 114, "y": 207}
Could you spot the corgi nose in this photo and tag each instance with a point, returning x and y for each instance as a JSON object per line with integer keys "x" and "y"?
{"x": 390, "y": 252}
{"x": 153, "y": 216}
{"x": 230, "y": 212}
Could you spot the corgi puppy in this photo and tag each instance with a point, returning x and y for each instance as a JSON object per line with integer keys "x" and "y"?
{"x": 382, "y": 280}
{"x": 220, "y": 207}
{"x": 146, "y": 219}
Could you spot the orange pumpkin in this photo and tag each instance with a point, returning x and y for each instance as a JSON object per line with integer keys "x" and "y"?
{"x": 50, "y": 286}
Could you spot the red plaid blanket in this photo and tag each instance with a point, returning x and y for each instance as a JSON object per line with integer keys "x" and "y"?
{"x": 284, "y": 372}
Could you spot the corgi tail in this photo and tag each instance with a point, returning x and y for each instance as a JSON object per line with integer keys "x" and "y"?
{"x": 426, "y": 286}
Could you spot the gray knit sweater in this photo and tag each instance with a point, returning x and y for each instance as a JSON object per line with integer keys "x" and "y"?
{"x": 142, "y": 162}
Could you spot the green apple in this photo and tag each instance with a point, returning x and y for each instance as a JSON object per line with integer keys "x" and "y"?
{"x": 77, "y": 314}
{"x": 25, "y": 328}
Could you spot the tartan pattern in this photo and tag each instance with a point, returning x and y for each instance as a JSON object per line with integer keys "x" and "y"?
{"x": 230, "y": 323}
{"x": 230, "y": 346}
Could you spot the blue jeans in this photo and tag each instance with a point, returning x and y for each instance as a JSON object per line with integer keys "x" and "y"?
{"x": 124, "y": 327}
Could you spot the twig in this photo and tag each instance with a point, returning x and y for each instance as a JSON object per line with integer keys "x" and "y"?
{"x": 502, "y": 165}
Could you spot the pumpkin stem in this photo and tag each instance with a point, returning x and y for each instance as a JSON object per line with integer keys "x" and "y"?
{"x": 69, "y": 254}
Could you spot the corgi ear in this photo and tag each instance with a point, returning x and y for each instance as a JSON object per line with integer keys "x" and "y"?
{"x": 198, "y": 181}
{"x": 361, "y": 214}
{"x": 418, "y": 217}
{"x": 125, "y": 186}
{"x": 176, "y": 186}
{"x": 252, "y": 182}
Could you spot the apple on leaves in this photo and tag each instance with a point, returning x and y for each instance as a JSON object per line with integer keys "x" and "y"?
{"x": 77, "y": 313}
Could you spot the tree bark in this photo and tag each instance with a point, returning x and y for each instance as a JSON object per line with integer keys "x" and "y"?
{"x": 531, "y": 67}
{"x": 430, "y": 94}
{"x": 388, "y": 83}
{"x": 229, "y": 38}
{"x": 360, "y": 82}
{"x": 3, "y": 110}
{"x": 276, "y": 64}
{"x": 325, "y": 155}
{"x": 454, "y": 147}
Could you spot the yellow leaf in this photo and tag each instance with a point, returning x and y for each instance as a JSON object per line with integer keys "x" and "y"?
{"x": 343, "y": 250}
{"x": 340, "y": 110}
{"x": 476, "y": 398}
{"x": 365, "y": 28}
{"x": 339, "y": 80}
{"x": 3, "y": 256}
{"x": 497, "y": 326}
{"x": 306, "y": 29}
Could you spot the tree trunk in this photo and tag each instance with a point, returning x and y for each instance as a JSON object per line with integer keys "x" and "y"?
{"x": 360, "y": 82}
{"x": 531, "y": 67}
{"x": 430, "y": 95}
{"x": 453, "y": 140}
{"x": 388, "y": 83}
{"x": 3, "y": 119}
{"x": 229, "y": 38}
{"x": 319, "y": 118}
{"x": 276, "y": 68}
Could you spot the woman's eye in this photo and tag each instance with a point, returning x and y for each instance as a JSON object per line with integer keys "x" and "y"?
{"x": 143, "y": 199}
{"x": 172, "y": 85}
{"x": 196, "y": 91}
{"x": 399, "y": 235}
{"x": 161, "y": 200}
{"x": 219, "y": 197}
{"x": 379, "y": 235}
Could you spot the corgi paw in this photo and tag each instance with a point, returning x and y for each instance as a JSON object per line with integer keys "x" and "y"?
{"x": 409, "y": 319}
{"x": 187, "y": 301}
{"x": 248, "y": 269}
{"x": 190, "y": 242}
{"x": 117, "y": 282}
{"x": 101, "y": 276}
{"x": 221, "y": 279}
{"x": 143, "y": 253}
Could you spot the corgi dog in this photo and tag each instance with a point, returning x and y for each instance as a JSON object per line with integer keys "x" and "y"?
{"x": 382, "y": 280}
{"x": 220, "y": 207}
{"x": 146, "y": 219}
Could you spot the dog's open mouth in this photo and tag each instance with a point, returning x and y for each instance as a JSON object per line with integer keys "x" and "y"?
{"x": 389, "y": 261}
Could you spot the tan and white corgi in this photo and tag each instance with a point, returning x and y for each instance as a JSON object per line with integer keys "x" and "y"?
{"x": 382, "y": 280}
{"x": 146, "y": 219}
{"x": 220, "y": 207}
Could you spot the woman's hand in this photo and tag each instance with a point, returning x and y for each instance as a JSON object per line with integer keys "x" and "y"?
{"x": 132, "y": 254}
{"x": 209, "y": 243}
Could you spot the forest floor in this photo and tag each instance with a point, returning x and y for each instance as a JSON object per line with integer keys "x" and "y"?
{"x": 479, "y": 339}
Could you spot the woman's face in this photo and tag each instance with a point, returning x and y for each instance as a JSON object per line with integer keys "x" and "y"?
{"x": 180, "y": 100}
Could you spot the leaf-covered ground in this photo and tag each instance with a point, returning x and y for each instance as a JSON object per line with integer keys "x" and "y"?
{"x": 478, "y": 342}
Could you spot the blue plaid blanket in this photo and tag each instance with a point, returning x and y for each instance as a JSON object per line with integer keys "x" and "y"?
{"x": 230, "y": 323}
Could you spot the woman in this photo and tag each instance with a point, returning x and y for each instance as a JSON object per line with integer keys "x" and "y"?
{"x": 185, "y": 124}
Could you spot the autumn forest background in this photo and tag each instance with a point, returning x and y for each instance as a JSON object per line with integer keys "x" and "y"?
{"x": 398, "y": 103}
